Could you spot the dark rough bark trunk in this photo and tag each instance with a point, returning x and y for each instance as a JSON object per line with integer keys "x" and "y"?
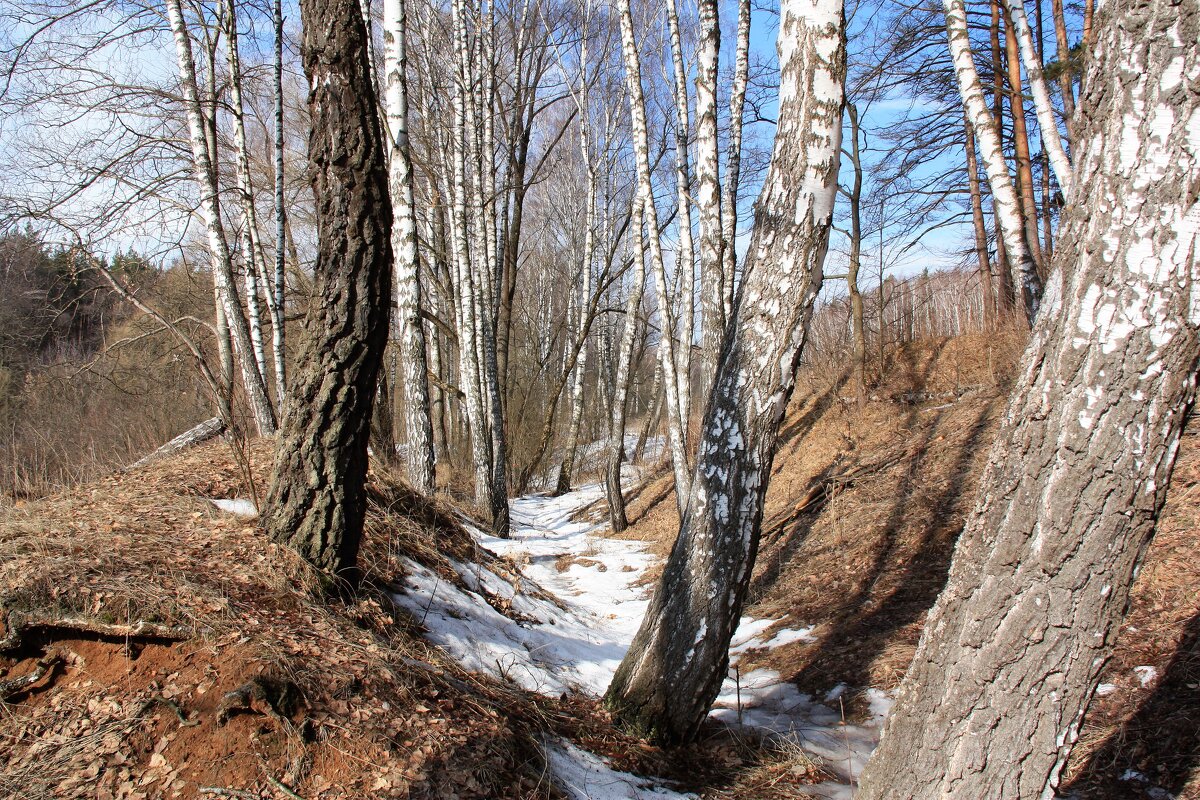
{"x": 665, "y": 686}
{"x": 1040, "y": 582}
{"x": 316, "y": 501}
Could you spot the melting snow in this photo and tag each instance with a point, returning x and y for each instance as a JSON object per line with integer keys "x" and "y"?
{"x": 584, "y": 776}
{"x": 1146, "y": 674}
{"x": 569, "y": 628}
{"x": 242, "y": 507}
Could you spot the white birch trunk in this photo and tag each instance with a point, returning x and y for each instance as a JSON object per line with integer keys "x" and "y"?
{"x": 1051, "y": 139}
{"x": 256, "y": 394}
{"x": 616, "y": 436}
{"x": 685, "y": 262}
{"x": 733, "y": 159}
{"x": 245, "y": 191}
{"x": 708, "y": 199}
{"x": 1012, "y": 652}
{"x": 666, "y": 684}
{"x": 1004, "y": 196}
{"x": 419, "y": 455}
{"x": 278, "y": 311}
{"x": 645, "y": 191}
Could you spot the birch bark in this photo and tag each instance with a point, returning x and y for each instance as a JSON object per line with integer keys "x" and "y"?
{"x": 419, "y": 455}
{"x": 1004, "y": 196}
{"x": 1012, "y": 651}
{"x": 1051, "y": 139}
{"x": 226, "y": 287}
{"x": 708, "y": 199}
{"x": 645, "y": 191}
{"x": 666, "y": 684}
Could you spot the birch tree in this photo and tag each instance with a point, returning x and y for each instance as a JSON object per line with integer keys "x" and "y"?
{"x": 1004, "y": 197}
{"x": 733, "y": 159}
{"x": 419, "y": 456}
{"x": 317, "y": 500}
{"x": 685, "y": 260}
{"x": 666, "y": 349}
{"x": 1041, "y": 577}
{"x": 666, "y": 684}
{"x": 278, "y": 334}
{"x": 1051, "y": 140}
{"x": 222, "y": 268}
{"x": 615, "y": 452}
{"x": 708, "y": 198}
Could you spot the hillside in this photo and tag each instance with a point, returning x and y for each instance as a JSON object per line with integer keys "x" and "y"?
{"x": 179, "y": 650}
{"x": 158, "y": 646}
{"x": 861, "y": 518}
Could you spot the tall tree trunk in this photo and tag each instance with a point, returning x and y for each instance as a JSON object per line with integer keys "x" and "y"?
{"x": 615, "y": 453}
{"x": 708, "y": 199}
{"x": 733, "y": 158}
{"x": 858, "y": 332}
{"x": 977, "y": 219}
{"x": 278, "y": 333}
{"x": 248, "y": 235}
{"x": 470, "y": 366}
{"x": 1051, "y": 140}
{"x": 645, "y": 191}
{"x": 226, "y": 286}
{"x": 1024, "y": 159}
{"x": 567, "y": 467}
{"x": 1004, "y": 197}
{"x": 1013, "y": 649}
{"x": 418, "y": 430}
{"x": 685, "y": 263}
{"x": 1066, "y": 78}
{"x": 1006, "y": 274}
{"x": 317, "y": 501}
{"x": 666, "y": 684}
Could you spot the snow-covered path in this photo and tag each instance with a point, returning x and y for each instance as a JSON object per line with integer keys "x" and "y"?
{"x": 567, "y": 622}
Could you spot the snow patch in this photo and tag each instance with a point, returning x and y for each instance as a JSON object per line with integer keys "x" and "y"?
{"x": 584, "y": 776}
{"x": 240, "y": 506}
{"x": 576, "y": 603}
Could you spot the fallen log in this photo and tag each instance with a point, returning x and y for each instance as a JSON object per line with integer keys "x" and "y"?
{"x": 201, "y": 433}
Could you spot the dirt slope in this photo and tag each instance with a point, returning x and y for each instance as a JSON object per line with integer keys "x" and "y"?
{"x": 861, "y": 518}
{"x": 329, "y": 700}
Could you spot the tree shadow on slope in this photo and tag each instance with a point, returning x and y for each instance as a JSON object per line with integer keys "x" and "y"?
{"x": 873, "y": 611}
{"x": 1153, "y": 753}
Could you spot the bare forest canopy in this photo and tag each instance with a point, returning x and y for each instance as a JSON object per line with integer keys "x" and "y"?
{"x": 504, "y": 248}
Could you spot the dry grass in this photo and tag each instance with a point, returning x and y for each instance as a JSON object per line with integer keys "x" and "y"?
{"x": 862, "y": 515}
{"x": 379, "y": 712}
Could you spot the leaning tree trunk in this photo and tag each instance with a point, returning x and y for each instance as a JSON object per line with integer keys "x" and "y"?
{"x": 418, "y": 429}
{"x": 666, "y": 684}
{"x": 1051, "y": 140}
{"x": 317, "y": 501}
{"x": 1041, "y": 577}
{"x": 1004, "y": 196}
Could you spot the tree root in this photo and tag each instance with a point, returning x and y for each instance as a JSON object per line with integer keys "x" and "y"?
{"x": 20, "y": 623}
{"x": 45, "y": 666}
{"x": 271, "y": 697}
